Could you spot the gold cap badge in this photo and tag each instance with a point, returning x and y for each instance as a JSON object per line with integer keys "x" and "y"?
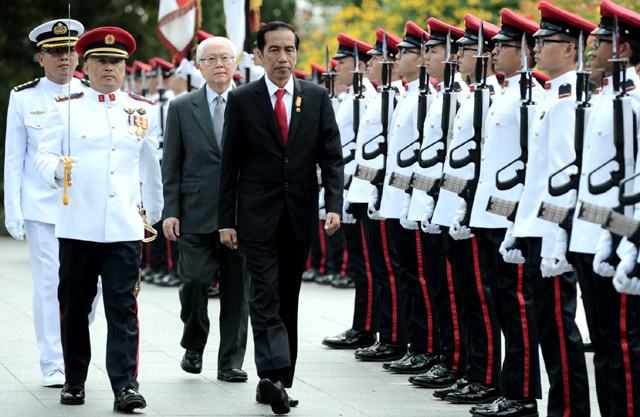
{"x": 60, "y": 29}
{"x": 109, "y": 39}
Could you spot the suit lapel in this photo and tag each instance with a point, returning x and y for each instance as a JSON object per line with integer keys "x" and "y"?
{"x": 202, "y": 114}
{"x": 266, "y": 108}
{"x": 297, "y": 104}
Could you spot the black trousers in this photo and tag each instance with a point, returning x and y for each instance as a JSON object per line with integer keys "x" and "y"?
{"x": 81, "y": 262}
{"x": 275, "y": 267}
{"x": 417, "y": 322}
{"x": 449, "y": 323}
{"x": 515, "y": 311}
{"x": 613, "y": 327}
{"x": 560, "y": 340}
{"x": 202, "y": 255}
{"x": 477, "y": 292}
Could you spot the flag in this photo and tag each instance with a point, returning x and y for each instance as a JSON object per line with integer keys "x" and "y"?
{"x": 235, "y": 22}
{"x": 254, "y": 15}
{"x": 177, "y": 23}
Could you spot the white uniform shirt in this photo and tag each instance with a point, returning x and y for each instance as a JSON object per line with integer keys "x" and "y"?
{"x": 25, "y": 195}
{"x": 551, "y": 139}
{"x": 117, "y": 168}
{"x": 448, "y": 202}
{"x": 501, "y": 146}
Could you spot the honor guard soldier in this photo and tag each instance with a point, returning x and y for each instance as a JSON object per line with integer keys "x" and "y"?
{"x": 481, "y": 379}
{"x": 441, "y": 279}
{"x": 108, "y": 139}
{"x": 551, "y": 138}
{"x": 611, "y": 316}
{"x": 29, "y": 203}
{"x": 512, "y": 290}
{"x": 382, "y": 316}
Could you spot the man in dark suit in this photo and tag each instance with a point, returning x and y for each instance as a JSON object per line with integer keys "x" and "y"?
{"x": 275, "y": 131}
{"x": 190, "y": 172}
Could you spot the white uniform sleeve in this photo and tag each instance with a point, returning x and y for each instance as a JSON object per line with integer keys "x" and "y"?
{"x": 50, "y": 148}
{"x": 150, "y": 175}
{"x": 14, "y": 155}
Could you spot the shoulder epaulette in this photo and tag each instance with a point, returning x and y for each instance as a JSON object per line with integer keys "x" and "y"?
{"x": 456, "y": 87}
{"x": 138, "y": 97}
{"x": 86, "y": 82}
{"x": 564, "y": 90}
{"x": 630, "y": 85}
{"x": 33, "y": 83}
{"x": 66, "y": 97}
{"x": 492, "y": 90}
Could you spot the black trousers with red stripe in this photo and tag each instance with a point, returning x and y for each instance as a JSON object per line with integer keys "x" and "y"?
{"x": 81, "y": 262}
{"x": 450, "y": 326}
{"x": 365, "y": 312}
{"x": 327, "y": 252}
{"x": 560, "y": 340}
{"x": 413, "y": 296}
{"x": 515, "y": 311}
{"x": 478, "y": 308}
{"x": 385, "y": 299}
{"x": 613, "y": 327}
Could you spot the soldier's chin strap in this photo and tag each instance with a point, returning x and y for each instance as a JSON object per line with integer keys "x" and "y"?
{"x": 154, "y": 235}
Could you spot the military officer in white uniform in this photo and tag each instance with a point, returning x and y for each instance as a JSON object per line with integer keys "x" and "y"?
{"x": 29, "y": 203}
{"x": 111, "y": 140}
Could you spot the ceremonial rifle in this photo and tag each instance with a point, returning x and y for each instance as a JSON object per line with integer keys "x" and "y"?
{"x": 481, "y": 103}
{"x": 357, "y": 97}
{"x": 447, "y": 103}
{"x": 423, "y": 87}
{"x": 563, "y": 216}
{"x": 161, "y": 98}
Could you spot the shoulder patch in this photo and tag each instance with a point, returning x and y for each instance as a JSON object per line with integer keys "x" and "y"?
{"x": 33, "y": 83}
{"x": 630, "y": 85}
{"x": 138, "y": 97}
{"x": 66, "y": 97}
{"x": 492, "y": 90}
{"x": 456, "y": 87}
{"x": 564, "y": 90}
{"x": 86, "y": 82}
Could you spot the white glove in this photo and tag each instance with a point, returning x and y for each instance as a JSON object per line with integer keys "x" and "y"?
{"x": 322, "y": 212}
{"x": 634, "y": 287}
{"x": 153, "y": 218}
{"x": 371, "y": 209}
{"x": 407, "y": 224}
{"x": 457, "y": 231}
{"x": 347, "y": 218}
{"x": 559, "y": 263}
{"x": 246, "y": 62}
{"x": 507, "y": 250}
{"x": 425, "y": 223}
{"x": 60, "y": 168}
{"x": 621, "y": 280}
{"x": 16, "y": 229}
{"x": 603, "y": 252}
{"x": 551, "y": 267}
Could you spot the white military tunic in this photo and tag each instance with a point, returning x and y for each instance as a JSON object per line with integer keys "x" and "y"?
{"x": 117, "y": 167}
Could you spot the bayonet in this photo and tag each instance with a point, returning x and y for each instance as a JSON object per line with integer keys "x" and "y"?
{"x": 479, "y": 56}
{"x": 447, "y": 62}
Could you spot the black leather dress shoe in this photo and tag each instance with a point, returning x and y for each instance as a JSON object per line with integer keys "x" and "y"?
{"x": 387, "y": 365}
{"x": 503, "y": 407}
{"x": 72, "y": 395}
{"x": 309, "y": 275}
{"x": 350, "y": 339}
{"x": 232, "y": 375}
{"x": 292, "y": 402}
{"x": 458, "y": 386}
{"x": 436, "y": 377}
{"x": 415, "y": 364}
{"x": 213, "y": 291}
{"x": 343, "y": 282}
{"x": 474, "y": 393}
{"x": 324, "y": 279}
{"x": 380, "y": 352}
{"x": 128, "y": 399}
{"x": 273, "y": 393}
{"x": 192, "y": 361}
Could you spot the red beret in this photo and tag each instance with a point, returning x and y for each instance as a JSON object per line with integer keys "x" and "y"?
{"x": 392, "y": 43}
{"x": 318, "y": 68}
{"x": 159, "y": 62}
{"x": 439, "y": 32}
{"x": 514, "y": 25}
{"x": 413, "y": 36}
{"x": 77, "y": 74}
{"x": 541, "y": 77}
{"x": 556, "y": 20}
{"x": 202, "y": 35}
{"x": 106, "y": 41}
{"x": 628, "y": 21}
{"x": 346, "y": 45}
{"x": 237, "y": 77}
{"x": 472, "y": 23}
{"x": 301, "y": 74}
{"x": 138, "y": 65}
{"x": 128, "y": 69}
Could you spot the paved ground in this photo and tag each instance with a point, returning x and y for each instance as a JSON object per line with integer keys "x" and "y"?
{"x": 328, "y": 382}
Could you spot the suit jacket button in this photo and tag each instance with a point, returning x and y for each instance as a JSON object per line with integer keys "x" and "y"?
{"x": 286, "y": 185}
{"x": 286, "y": 160}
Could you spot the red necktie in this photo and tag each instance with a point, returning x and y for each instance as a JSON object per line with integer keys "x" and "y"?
{"x": 281, "y": 116}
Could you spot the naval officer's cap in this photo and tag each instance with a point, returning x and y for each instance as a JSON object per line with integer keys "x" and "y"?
{"x": 59, "y": 33}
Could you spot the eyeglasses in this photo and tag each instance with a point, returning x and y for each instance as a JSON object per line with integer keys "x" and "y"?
{"x": 213, "y": 60}
{"x": 541, "y": 41}
{"x": 500, "y": 45}
{"x": 598, "y": 40}
{"x": 57, "y": 52}
{"x": 408, "y": 50}
{"x": 462, "y": 49}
